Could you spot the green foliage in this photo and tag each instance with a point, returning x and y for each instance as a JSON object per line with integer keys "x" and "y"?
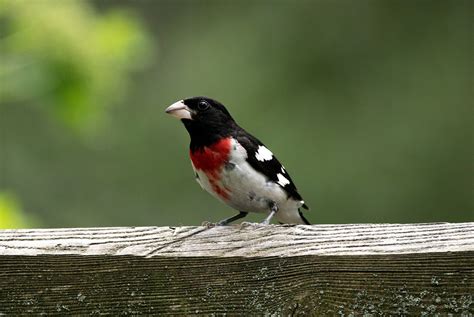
{"x": 65, "y": 57}
{"x": 11, "y": 214}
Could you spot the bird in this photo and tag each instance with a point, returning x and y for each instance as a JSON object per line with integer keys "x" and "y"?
{"x": 234, "y": 166}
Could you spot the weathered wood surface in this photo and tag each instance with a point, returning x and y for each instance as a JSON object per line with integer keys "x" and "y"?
{"x": 381, "y": 269}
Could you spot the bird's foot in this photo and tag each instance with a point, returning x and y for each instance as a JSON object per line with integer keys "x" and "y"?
{"x": 273, "y": 211}
{"x": 244, "y": 224}
{"x": 209, "y": 224}
{"x": 226, "y": 221}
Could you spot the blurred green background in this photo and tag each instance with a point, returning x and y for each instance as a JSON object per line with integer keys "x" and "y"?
{"x": 368, "y": 104}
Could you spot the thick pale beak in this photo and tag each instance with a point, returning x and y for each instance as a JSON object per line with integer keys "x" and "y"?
{"x": 179, "y": 110}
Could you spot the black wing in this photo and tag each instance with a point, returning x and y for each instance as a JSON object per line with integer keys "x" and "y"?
{"x": 270, "y": 168}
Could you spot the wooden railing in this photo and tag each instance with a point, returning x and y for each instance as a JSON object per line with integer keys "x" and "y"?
{"x": 392, "y": 269}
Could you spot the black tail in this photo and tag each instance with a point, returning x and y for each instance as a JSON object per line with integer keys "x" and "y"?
{"x": 304, "y": 219}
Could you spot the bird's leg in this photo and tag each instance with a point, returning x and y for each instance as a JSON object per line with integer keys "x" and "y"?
{"x": 273, "y": 210}
{"x": 233, "y": 218}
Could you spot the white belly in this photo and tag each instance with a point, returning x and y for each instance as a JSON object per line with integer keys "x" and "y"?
{"x": 246, "y": 189}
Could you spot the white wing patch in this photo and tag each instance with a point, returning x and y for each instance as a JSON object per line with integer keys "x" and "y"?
{"x": 282, "y": 180}
{"x": 263, "y": 154}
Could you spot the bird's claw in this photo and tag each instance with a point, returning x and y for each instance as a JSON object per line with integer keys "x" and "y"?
{"x": 209, "y": 224}
{"x": 244, "y": 224}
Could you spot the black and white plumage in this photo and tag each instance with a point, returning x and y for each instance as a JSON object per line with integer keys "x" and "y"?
{"x": 234, "y": 166}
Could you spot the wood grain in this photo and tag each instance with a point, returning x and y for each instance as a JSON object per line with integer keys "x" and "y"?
{"x": 379, "y": 269}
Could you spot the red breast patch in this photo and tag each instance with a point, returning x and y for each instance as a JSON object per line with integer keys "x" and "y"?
{"x": 211, "y": 159}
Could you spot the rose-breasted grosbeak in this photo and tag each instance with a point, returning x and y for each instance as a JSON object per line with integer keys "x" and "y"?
{"x": 234, "y": 166}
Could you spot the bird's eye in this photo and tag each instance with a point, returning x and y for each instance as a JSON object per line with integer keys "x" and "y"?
{"x": 203, "y": 105}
